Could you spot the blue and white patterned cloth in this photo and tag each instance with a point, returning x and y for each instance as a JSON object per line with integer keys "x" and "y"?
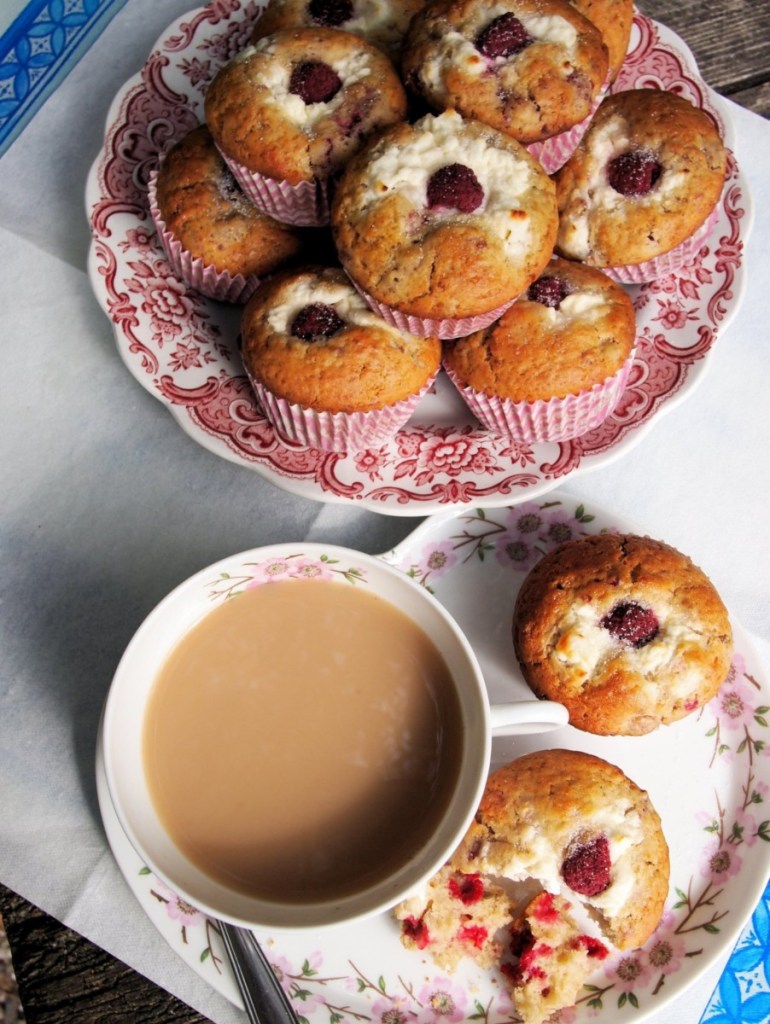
{"x": 743, "y": 993}
{"x": 41, "y": 42}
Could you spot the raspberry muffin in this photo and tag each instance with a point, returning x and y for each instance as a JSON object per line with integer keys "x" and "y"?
{"x": 639, "y": 194}
{"x": 443, "y": 223}
{"x": 614, "y": 19}
{"x": 288, "y": 112}
{"x": 583, "y": 829}
{"x": 214, "y": 237}
{"x": 326, "y": 370}
{"x": 533, "y": 69}
{"x": 624, "y": 630}
{"x": 381, "y": 22}
{"x": 556, "y": 362}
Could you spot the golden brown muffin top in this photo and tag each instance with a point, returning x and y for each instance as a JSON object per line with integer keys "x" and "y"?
{"x": 297, "y": 104}
{"x": 646, "y": 174}
{"x": 578, "y": 824}
{"x": 310, "y": 338}
{"x": 444, "y": 217}
{"x": 530, "y": 68}
{"x": 573, "y": 328}
{"x": 624, "y": 630}
{"x": 201, "y": 204}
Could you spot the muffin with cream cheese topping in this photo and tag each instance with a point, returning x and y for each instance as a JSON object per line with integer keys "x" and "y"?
{"x": 583, "y": 829}
{"x": 625, "y": 631}
{"x": 326, "y": 370}
{"x": 639, "y": 195}
{"x": 443, "y": 223}
{"x": 289, "y": 111}
{"x": 556, "y": 362}
{"x": 534, "y": 69}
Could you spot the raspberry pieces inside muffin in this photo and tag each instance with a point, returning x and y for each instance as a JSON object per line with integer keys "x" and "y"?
{"x": 626, "y": 631}
{"x": 552, "y": 958}
{"x": 565, "y": 856}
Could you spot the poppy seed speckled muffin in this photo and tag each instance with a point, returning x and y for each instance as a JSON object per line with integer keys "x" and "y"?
{"x": 326, "y": 370}
{"x": 624, "y": 630}
{"x": 556, "y": 362}
{"x": 638, "y": 194}
{"x": 530, "y": 68}
{"x": 443, "y": 223}
{"x": 381, "y": 22}
{"x": 289, "y": 111}
{"x": 214, "y": 237}
{"x": 582, "y": 828}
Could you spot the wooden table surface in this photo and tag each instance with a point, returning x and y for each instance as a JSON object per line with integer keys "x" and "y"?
{"x": 62, "y": 977}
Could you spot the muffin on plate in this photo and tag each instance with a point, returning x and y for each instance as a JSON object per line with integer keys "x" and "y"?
{"x": 556, "y": 362}
{"x": 639, "y": 195}
{"x": 214, "y": 237}
{"x": 559, "y": 835}
{"x": 533, "y": 69}
{"x": 624, "y": 630}
{"x": 443, "y": 223}
{"x": 614, "y": 19}
{"x": 326, "y": 370}
{"x": 579, "y": 826}
{"x": 288, "y": 112}
{"x": 381, "y": 22}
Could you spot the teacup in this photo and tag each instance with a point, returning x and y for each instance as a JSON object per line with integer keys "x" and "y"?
{"x": 223, "y": 775}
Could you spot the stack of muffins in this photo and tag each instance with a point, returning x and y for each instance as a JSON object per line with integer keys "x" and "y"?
{"x": 444, "y": 183}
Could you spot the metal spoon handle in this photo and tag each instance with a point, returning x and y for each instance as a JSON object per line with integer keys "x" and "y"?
{"x": 265, "y": 1000}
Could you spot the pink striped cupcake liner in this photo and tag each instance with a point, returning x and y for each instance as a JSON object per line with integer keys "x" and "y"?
{"x": 433, "y": 327}
{"x": 335, "y": 431}
{"x": 553, "y": 153}
{"x": 555, "y": 419}
{"x": 668, "y": 262}
{"x": 303, "y": 205}
{"x": 216, "y": 284}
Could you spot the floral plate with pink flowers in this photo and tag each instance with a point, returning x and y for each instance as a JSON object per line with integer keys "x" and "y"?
{"x": 183, "y": 348}
{"x": 708, "y": 776}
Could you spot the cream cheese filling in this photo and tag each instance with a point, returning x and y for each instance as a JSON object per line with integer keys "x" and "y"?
{"x": 274, "y": 75}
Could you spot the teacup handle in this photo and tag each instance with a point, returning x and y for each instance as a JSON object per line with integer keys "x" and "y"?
{"x": 527, "y": 716}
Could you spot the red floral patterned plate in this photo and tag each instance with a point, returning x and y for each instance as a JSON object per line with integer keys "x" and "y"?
{"x": 183, "y": 347}
{"x": 708, "y": 776}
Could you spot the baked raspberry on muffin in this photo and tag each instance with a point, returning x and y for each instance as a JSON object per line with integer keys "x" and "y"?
{"x": 614, "y": 19}
{"x": 624, "y": 630}
{"x": 639, "y": 195}
{"x": 533, "y": 69}
{"x": 289, "y": 111}
{"x": 583, "y": 829}
{"x": 381, "y": 22}
{"x": 443, "y": 223}
{"x": 552, "y": 958}
{"x": 556, "y": 362}
{"x": 326, "y": 370}
{"x": 214, "y": 237}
